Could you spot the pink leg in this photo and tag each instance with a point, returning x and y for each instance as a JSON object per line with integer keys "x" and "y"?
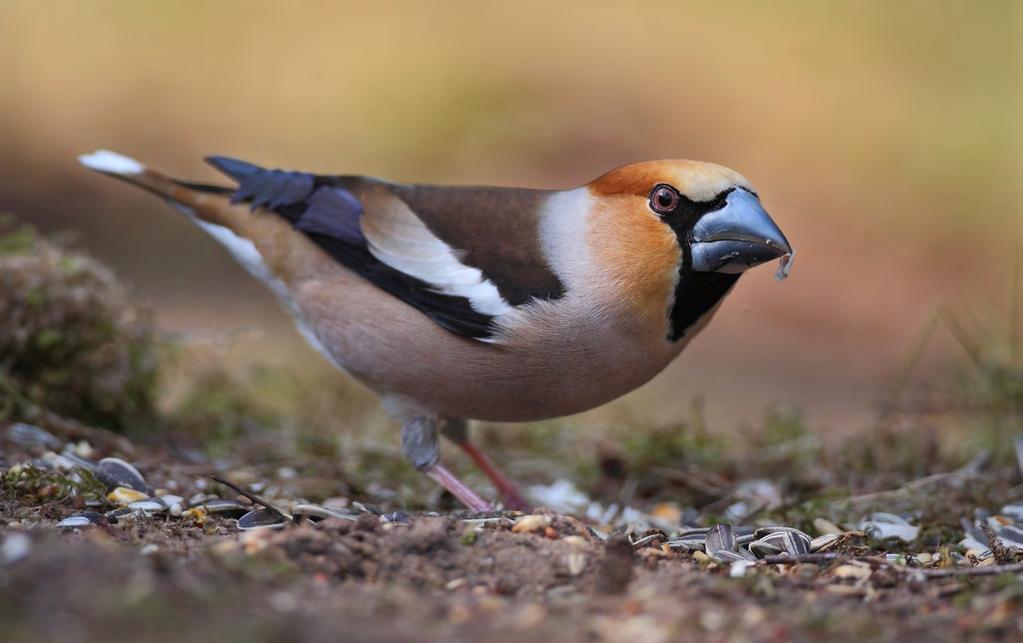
{"x": 467, "y": 496}
{"x": 509, "y": 491}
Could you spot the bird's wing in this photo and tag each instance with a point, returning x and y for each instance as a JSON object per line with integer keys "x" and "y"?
{"x": 462, "y": 256}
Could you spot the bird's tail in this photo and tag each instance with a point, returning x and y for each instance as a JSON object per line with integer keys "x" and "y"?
{"x": 262, "y": 244}
{"x": 195, "y": 197}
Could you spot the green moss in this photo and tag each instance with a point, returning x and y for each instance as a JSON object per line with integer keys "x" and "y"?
{"x": 71, "y": 342}
{"x": 34, "y": 486}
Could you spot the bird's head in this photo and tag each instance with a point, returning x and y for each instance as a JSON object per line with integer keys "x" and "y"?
{"x": 702, "y": 222}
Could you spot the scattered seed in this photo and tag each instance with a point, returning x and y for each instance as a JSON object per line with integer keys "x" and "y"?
{"x": 719, "y": 538}
{"x": 851, "y": 572}
{"x": 261, "y": 519}
{"x": 532, "y": 522}
{"x": 86, "y": 519}
{"x": 125, "y": 496}
{"x": 822, "y": 543}
{"x": 319, "y": 512}
{"x": 115, "y": 472}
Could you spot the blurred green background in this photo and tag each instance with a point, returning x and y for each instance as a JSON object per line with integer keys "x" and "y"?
{"x": 884, "y": 137}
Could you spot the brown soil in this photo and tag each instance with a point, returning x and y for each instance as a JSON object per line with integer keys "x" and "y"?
{"x": 438, "y": 577}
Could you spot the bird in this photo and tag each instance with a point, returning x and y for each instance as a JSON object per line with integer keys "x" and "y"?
{"x": 503, "y": 304}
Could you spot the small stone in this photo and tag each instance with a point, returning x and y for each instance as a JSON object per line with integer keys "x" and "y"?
{"x": 83, "y": 449}
{"x": 851, "y": 572}
{"x": 551, "y": 533}
{"x": 16, "y": 546}
{"x": 924, "y": 558}
{"x": 459, "y": 614}
{"x": 529, "y": 616}
{"x": 530, "y": 523}
{"x": 576, "y": 542}
{"x": 149, "y": 549}
{"x": 738, "y": 568}
{"x": 824, "y": 526}
{"x": 615, "y": 571}
{"x": 125, "y": 496}
{"x": 576, "y": 563}
{"x": 668, "y": 512}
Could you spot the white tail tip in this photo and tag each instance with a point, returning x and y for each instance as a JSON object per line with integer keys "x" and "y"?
{"x": 111, "y": 162}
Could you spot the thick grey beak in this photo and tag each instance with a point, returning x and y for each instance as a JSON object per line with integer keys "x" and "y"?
{"x": 737, "y": 237}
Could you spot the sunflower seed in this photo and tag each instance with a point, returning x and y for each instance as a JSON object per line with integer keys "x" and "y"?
{"x": 728, "y": 556}
{"x": 224, "y": 507}
{"x": 115, "y": 472}
{"x": 1018, "y": 443}
{"x": 975, "y": 536}
{"x": 399, "y": 516}
{"x": 764, "y": 548}
{"x": 87, "y": 519}
{"x": 260, "y": 519}
{"x": 148, "y": 506}
{"x": 1013, "y": 511}
{"x": 882, "y": 526}
{"x": 823, "y": 542}
{"x": 79, "y": 461}
{"x": 1011, "y": 536}
{"x": 719, "y": 538}
{"x": 319, "y": 512}
{"x": 780, "y": 540}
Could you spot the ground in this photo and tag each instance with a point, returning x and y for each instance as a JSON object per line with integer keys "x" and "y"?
{"x": 600, "y": 558}
{"x": 429, "y": 576}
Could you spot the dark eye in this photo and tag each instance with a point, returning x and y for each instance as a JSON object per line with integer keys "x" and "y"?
{"x": 663, "y": 199}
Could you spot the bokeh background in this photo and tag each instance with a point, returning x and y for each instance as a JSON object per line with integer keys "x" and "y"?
{"x": 884, "y": 137}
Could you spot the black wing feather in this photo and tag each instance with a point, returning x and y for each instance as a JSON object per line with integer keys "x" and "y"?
{"x": 320, "y": 207}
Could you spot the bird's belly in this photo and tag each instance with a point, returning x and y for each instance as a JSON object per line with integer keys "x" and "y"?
{"x": 566, "y": 368}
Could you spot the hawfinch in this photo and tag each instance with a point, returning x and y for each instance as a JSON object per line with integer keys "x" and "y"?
{"x": 498, "y": 304}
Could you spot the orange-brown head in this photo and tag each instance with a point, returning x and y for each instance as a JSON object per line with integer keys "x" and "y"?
{"x": 675, "y": 235}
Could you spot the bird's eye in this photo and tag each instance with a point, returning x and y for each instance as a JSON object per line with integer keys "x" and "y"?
{"x": 663, "y": 199}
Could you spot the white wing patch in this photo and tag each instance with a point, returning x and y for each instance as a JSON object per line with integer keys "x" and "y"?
{"x": 400, "y": 239}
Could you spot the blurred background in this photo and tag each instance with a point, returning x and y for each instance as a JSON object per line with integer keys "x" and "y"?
{"x": 885, "y": 138}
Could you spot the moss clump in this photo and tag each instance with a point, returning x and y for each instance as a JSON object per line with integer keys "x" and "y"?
{"x": 34, "y": 486}
{"x": 71, "y": 341}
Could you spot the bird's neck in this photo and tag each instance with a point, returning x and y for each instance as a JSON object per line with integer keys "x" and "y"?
{"x": 696, "y": 295}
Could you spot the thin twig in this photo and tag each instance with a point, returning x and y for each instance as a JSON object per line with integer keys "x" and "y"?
{"x": 255, "y": 499}
{"x": 693, "y": 482}
{"x": 948, "y": 572}
{"x": 785, "y": 559}
{"x": 966, "y": 472}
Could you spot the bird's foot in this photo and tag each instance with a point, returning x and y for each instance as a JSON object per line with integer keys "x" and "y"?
{"x": 510, "y": 494}
{"x": 457, "y": 488}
